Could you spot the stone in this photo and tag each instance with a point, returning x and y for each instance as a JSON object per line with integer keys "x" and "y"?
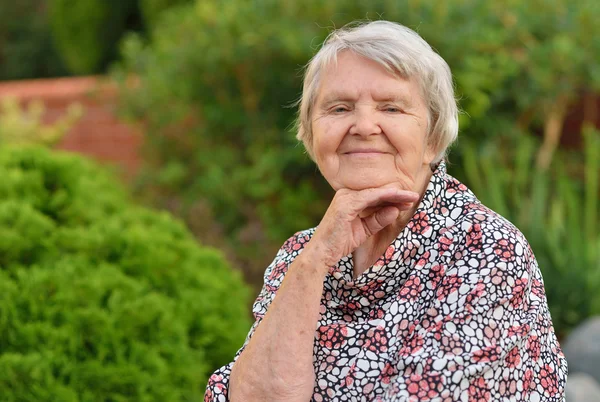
{"x": 582, "y": 349}
{"x": 582, "y": 387}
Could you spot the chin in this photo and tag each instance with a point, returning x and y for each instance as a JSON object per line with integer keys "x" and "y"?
{"x": 362, "y": 183}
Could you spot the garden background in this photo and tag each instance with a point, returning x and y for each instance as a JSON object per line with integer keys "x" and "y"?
{"x": 134, "y": 280}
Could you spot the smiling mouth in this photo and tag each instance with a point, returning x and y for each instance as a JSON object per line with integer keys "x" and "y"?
{"x": 365, "y": 153}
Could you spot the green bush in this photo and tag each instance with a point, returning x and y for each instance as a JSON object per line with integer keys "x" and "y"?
{"x": 101, "y": 300}
{"x": 20, "y": 125}
{"x": 86, "y": 32}
{"x": 228, "y": 70}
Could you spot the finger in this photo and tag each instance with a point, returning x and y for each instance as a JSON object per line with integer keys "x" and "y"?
{"x": 405, "y": 206}
{"x": 377, "y": 196}
{"x": 380, "y": 219}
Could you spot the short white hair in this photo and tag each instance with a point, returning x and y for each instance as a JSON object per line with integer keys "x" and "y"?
{"x": 403, "y": 53}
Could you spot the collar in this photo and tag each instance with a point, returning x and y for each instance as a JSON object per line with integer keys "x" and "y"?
{"x": 417, "y": 237}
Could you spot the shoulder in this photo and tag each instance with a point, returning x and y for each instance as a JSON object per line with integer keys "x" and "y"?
{"x": 489, "y": 254}
{"x": 480, "y": 232}
{"x": 276, "y": 271}
{"x": 493, "y": 230}
{"x": 288, "y": 252}
{"x": 295, "y": 244}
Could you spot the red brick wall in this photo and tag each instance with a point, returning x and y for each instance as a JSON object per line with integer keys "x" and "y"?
{"x": 99, "y": 133}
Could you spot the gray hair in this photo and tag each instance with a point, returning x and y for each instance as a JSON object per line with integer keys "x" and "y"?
{"x": 403, "y": 53}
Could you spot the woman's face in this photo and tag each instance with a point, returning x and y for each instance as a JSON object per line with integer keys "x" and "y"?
{"x": 369, "y": 127}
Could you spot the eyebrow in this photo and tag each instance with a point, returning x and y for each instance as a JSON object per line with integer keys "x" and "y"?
{"x": 335, "y": 97}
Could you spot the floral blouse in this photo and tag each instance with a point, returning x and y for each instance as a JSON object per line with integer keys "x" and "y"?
{"x": 455, "y": 310}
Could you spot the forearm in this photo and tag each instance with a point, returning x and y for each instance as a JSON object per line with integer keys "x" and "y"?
{"x": 277, "y": 362}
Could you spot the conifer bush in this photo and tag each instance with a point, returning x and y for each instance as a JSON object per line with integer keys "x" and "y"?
{"x": 102, "y": 300}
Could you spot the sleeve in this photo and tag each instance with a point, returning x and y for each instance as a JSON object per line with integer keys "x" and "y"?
{"x": 488, "y": 335}
{"x": 218, "y": 382}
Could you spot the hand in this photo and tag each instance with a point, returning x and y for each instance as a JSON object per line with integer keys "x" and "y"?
{"x": 354, "y": 216}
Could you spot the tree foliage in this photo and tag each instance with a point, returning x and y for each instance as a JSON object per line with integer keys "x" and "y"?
{"x": 151, "y": 10}
{"x": 86, "y": 32}
{"x": 26, "y": 49}
{"x": 217, "y": 79}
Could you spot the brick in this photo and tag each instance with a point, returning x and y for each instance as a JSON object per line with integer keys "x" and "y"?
{"x": 99, "y": 133}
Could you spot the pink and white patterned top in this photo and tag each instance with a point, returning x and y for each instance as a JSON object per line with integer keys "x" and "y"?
{"x": 455, "y": 310}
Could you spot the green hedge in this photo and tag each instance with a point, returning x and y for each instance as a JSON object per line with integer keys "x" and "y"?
{"x": 101, "y": 300}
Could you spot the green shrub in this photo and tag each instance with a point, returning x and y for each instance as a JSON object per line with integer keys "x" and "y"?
{"x": 228, "y": 71}
{"x": 101, "y": 300}
{"x": 86, "y": 32}
{"x": 20, "y": 125}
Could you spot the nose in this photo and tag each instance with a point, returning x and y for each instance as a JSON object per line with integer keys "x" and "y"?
{"x": 365, "y": 123}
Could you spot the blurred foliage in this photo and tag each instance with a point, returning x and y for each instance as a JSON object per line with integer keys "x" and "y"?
{"x": 51, "y": 38}
{"x": 101, "y": 300}
{"x": 86, "y": 32}
{"x": 152, "y": 10}
{"x": 217, "y": 79}
{"x": 25, "y": 126}
{"x": 26, "y": 48}
{"x": 558, "y": 214}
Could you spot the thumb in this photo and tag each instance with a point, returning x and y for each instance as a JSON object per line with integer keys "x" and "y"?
{"x": 380, "y": 219}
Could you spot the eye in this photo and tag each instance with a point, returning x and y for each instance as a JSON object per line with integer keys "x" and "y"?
{"x": 339, "y": 109}
{"x": 392, "y": 109}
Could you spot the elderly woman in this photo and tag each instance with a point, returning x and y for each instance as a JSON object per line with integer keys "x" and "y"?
{"x": 409, "y": 289}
